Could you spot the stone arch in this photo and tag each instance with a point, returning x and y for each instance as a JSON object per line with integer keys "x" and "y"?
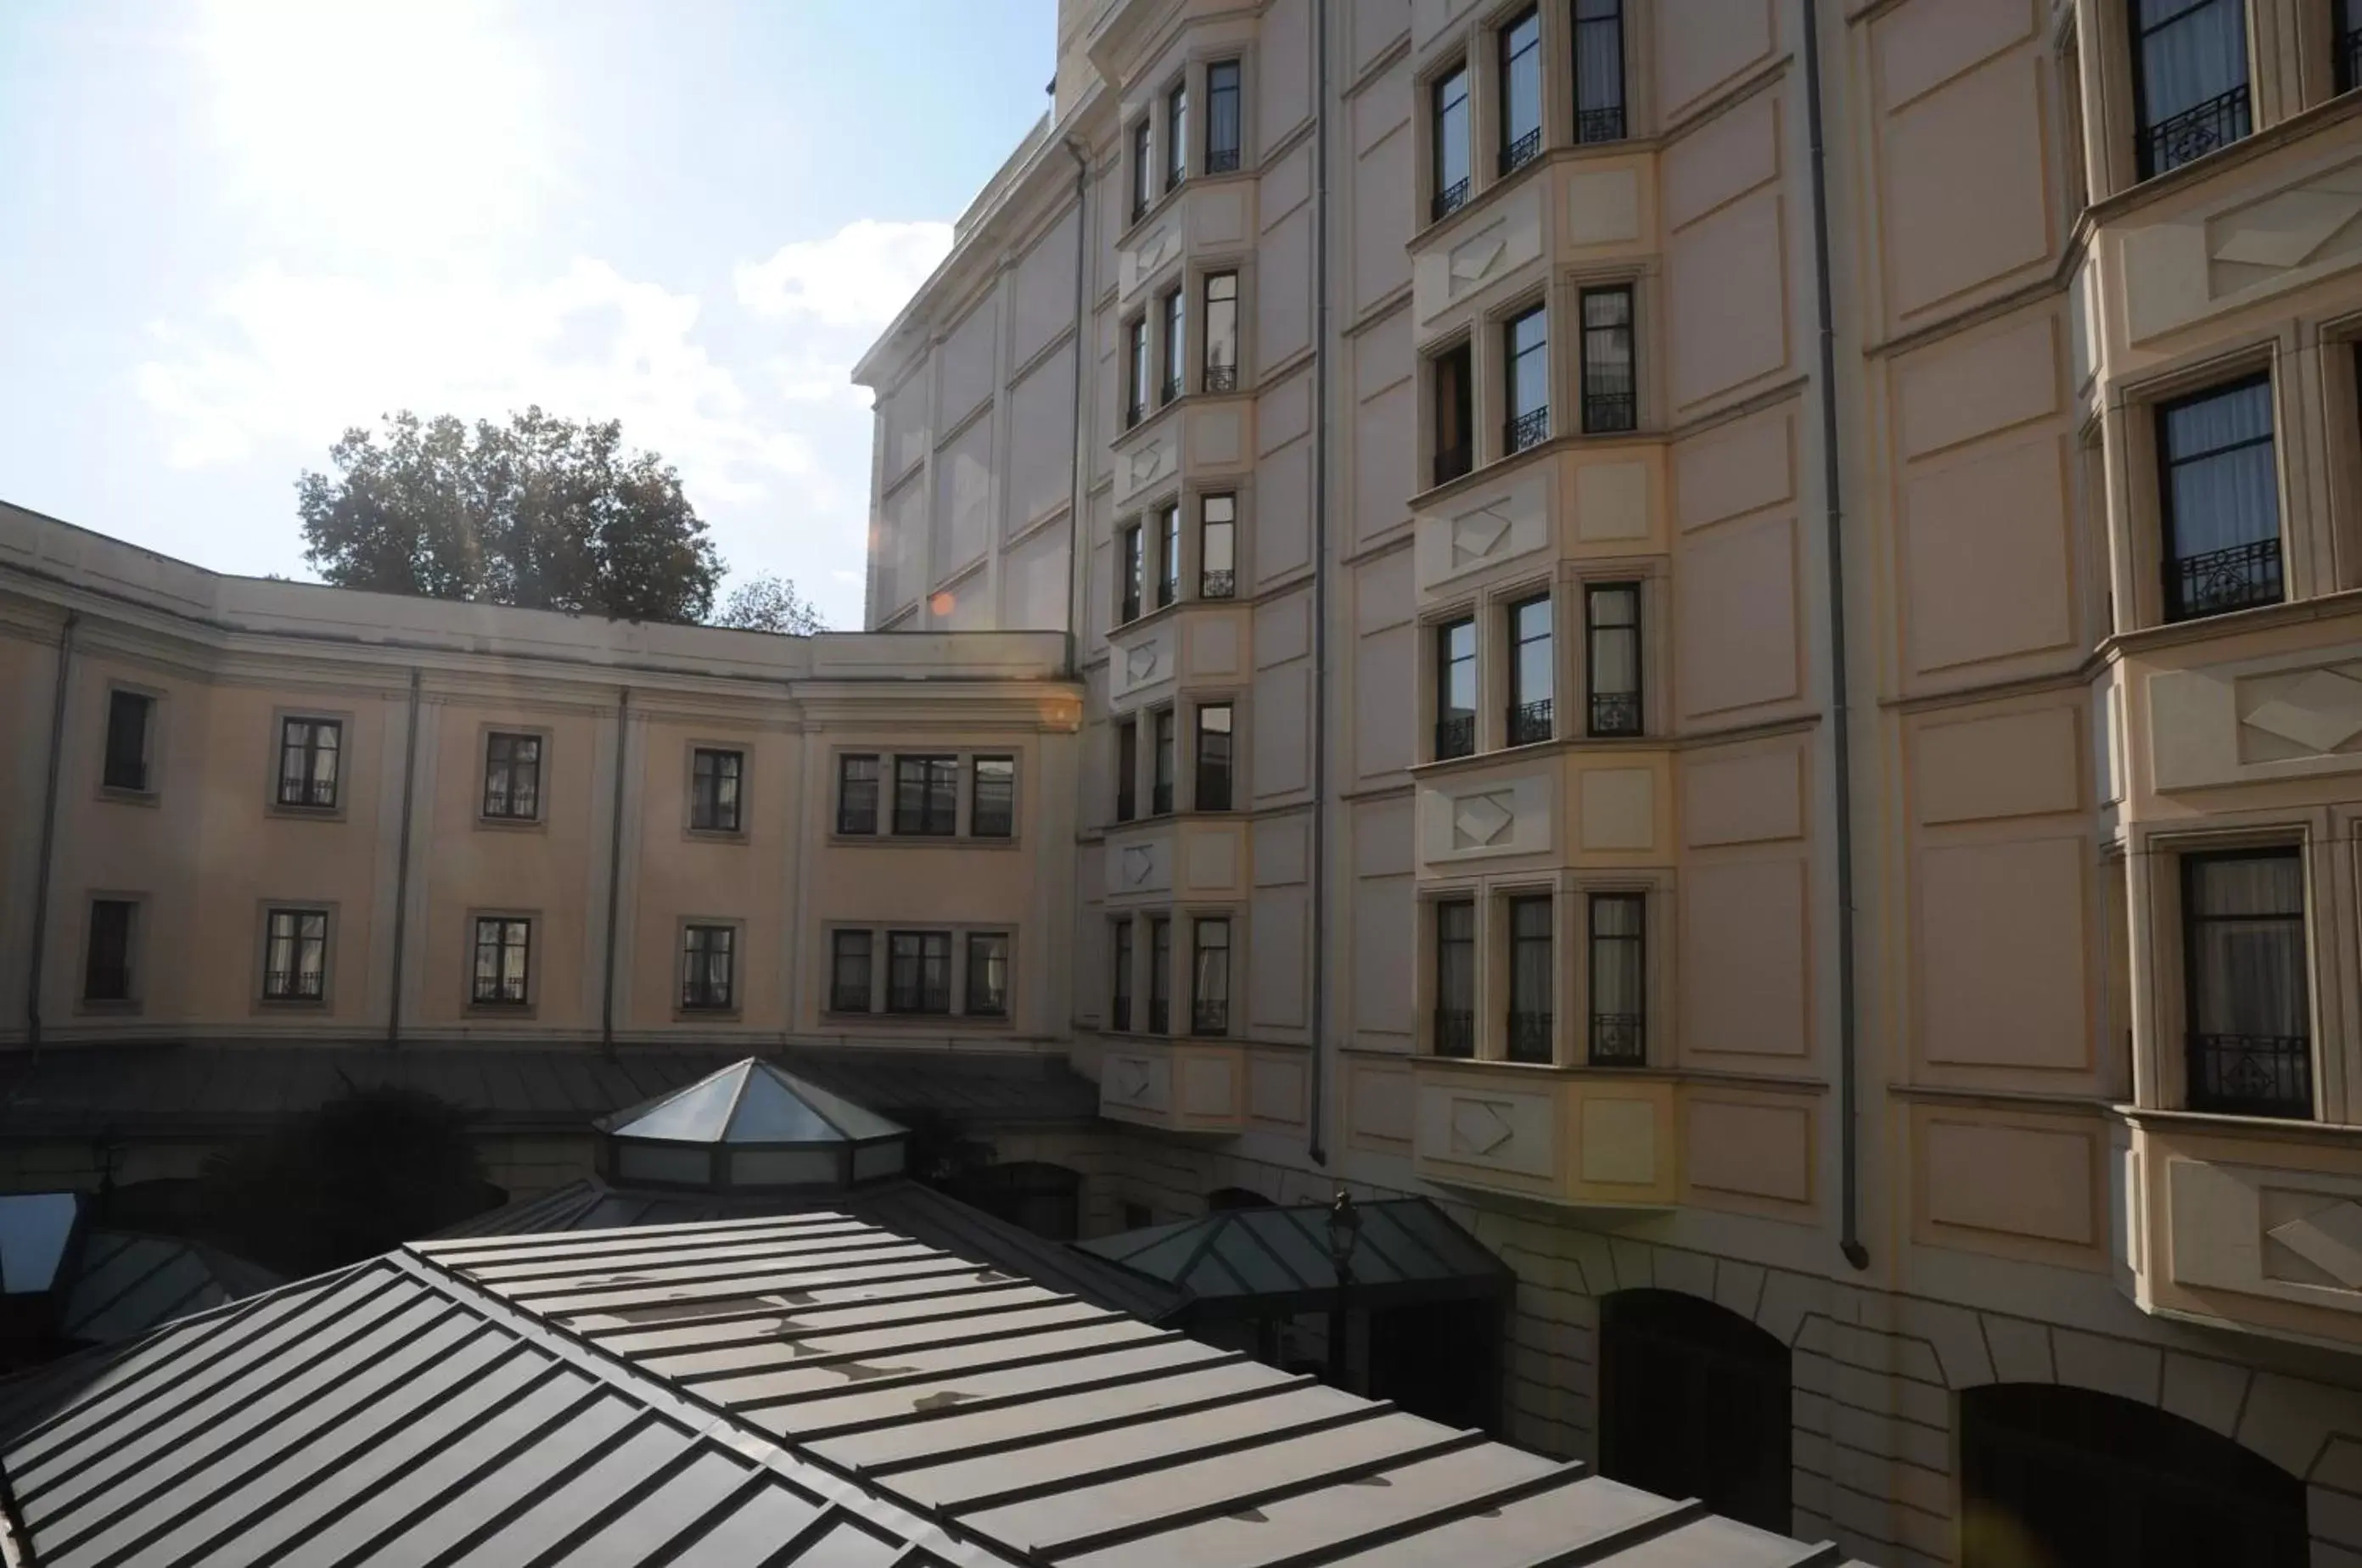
{"x": 1694, "y": 1400}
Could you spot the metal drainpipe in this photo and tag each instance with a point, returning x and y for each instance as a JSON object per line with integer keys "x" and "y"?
{"x": 39, "y": 944}
{"x": 1076, "y": 564}
{"x": 402, "y": 862}
{"x": 1849, "y": 1137}
{"x": 616, "y": 866}
{"x": 1320, "y": 1078}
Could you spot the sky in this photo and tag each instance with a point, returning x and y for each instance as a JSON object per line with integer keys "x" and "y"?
{"x": 231, "y": 229}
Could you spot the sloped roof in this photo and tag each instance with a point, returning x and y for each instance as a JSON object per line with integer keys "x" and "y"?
{"x": 750, "y": 1101}
{"x": 800, "y": 1390}
{"x": 127, "y": 1284}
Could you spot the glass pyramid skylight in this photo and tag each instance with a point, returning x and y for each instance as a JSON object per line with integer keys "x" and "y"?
{"x": 750, "y": 1126}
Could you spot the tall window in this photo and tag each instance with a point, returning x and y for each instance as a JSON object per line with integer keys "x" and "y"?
{"x": 1611, "y": 614}
{"x": 309, "y": 751}
{"x": 1213, "y": 792}
{"x": 1527, "y": 341}
{"x": 857, "y": 796}
{"x": 918, "y": 972}
{"x": 1161, "y": 763}
{"x": 987, "y": 975}
{"x": 1133, "y": 565}
{"x": 1177, "y": 133}
{"x": 513, "y": 777}
{"x": 1449, "y": 112}
{"x": 707, "y": 968}
{"x": 106, "y": 960}
{"x": 1168, "y": 553}
{"x": 1221, "y": 332}
{"x": 926, "y": 795}
{"x": 1141, "y": 189}
{"x": 1598, "y": 71}
{"x": 1455, "y": 978}
{"x": 294, "y": 955}
{"x": 1160, "y": 977}
{"x": 2249, "y": 1014}
{"x": 1521, "y": 91}
{"x": 1222, "y": 117}
{"x": 992, "y": 798}
{"x": 1126, "y": 770}
{"x": 2190, "y": 78}
{"x": 504, "y": 962}
{"x": 713, "y": 777}
{"x": 1455, "y": 443}
{"x": 1455, "y": 689}
{"x": 1135, "y": 405}
{"x": 1119, "y": 1017}
{"x": 1610, "y": 401}
{"x": 1217, "y": 544}
{"x": 1532, "y": 679}
{"x": 130, "y": 724}
{"x": 1529, "y": 979}
{"x": 2221, "y": 500}
{"x": 2349, "y": 45}
{"x": 1619, "y": 980}
{"x": 1177, "y": 333}
{"x": 848, "y": 972}
{"x": 1209, "y": 978}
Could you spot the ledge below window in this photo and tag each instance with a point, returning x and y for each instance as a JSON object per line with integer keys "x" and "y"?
{"x": 1178, "y": 1086}
{"x": 1584, "y": 1138}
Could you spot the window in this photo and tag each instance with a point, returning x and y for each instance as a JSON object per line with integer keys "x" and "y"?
{"x": 1160, "y": 800}
{"x": 1610, "y": 401}
{"x": 1618, "y": 974}
{"x": 2190, "y": 78}
{"x": 918, "y": 972}
{"x": 294, "y": 955}
{"x": 992, "y": 798}
{"x": 1611, "y": 613}
{"x": 707, "y": 968}
{"x": 1177, "y": 333}
{"x": 2349, "y": 45}
{"x": 1119, "y": 1018}
{"x": 1126, "y": 770}
{"x": 106, "y": 963}
{"x": 988, "y": 975}
{"x": 926, "y": 795}
{"x": 1160, "y": 977}
{"x": 714, "y": 778}
{"x": 1598, "y": 71}
{"x": 1213, "y": 757}
{"x": 131, "y": 724}
{"x": 1209, "y": 978}
{"x": 1176, "y": 135}
{"x": 2219, "y": 494}
{"x": 1450, "y": 112}
{"x": 857, "y": 796}
{"x": 848, "y": 972}
{"x": 1222, "y": 117}
{"x": 1217, "y": 545}
{"x": 513, "y": 777}
{"x": 1527, "y": 340}
{"x": 1134, "y": 569}
{"x": 1135, "y": 408}
{"x": 1455, "y": 417}
{"x": 1139, "y": 167}
{"x": 1532, "y": 679}
{"x": 308, "y": 753}
{"x": 2244, "y": 961}
{"x": 1455, "y": 978}
{"x": 1521, "y": 91}
{"x": 1529, "y": 979}
{"x": 1168, "y": 553}
{"x": 1221, "y": 332}
{"x": 1455, "y": 689}
{"x": 504, "y": 962}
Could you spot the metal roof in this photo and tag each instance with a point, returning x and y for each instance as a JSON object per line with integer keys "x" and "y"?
{"x": 127, "y": 1284}
{"x": 807, "y": 1389}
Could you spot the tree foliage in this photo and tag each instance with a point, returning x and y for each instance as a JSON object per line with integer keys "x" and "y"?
{"x": 541, "y": 512}
{"x": 770, "y": 603}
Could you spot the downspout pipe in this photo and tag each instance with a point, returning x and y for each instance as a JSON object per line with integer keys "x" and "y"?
{"x": 1316, "y": 1123}
{"x": 401, "y": 861}
{"x": 38, "y": 949}
{"x": 1849, "y": 1109}
{"x": 616, "y": 866}
{"x": 1075, "y": 565}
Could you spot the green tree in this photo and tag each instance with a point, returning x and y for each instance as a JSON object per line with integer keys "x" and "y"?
{"x": 770, "y": 603}
{"x": 541, "y": 512}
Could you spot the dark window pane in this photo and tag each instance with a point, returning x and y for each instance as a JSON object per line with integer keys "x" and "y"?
{"x": 1213, "y": 757}
{"x": 713, "y": 790}
{"x": 1598, "y": 71}
{"x": 1527, "y": 341}
{"x": 1532, "y": 684}
{"x": 992, "y": 813}
{"x": 106, "y": 964}
{"x": 309, "y": 750}
{"x": 2190, "y": 78}
{"x": 1127, "y": 771}
{"x": 2246, "y": 994}
{"x": 1531, "y": 990}
{"x": 1168, "y": 546}
{"x": 1161, "y": 763}
{"x": 294, "y": 955}
{"x": 1451, "y": 144}
{"x": 707, "y": 968}
{"x": 1209, "y": 978}
{"x": 988, "y": 975}
{"x": 1120, "y": 993}
{"x": 1218, "y": 546}
{"x": 1133, "y": 583}
{"x": 1618, "y": 980}
{"x": 1160, "y": 977}
{"x": 1455, "y": 978}
{"x": 1222, "y": 117}
{"x": 1136, "y": 404}
{"x": 513, "y": 776}
{"x": 1139, "y": 186}
{"x": 2219, "y": 486}
{"x": 504, "y": 962}
{"x": 1455, "y": 451}
{"x": 918, "y": 972}
{"x": 1455, "y": 689}
{"x": 128, "y": 722}
{"x": 1521, "y": 91}
{"x": 1222, "y": 332}
{"x": 848, "y": 988}
{"x": 926, "y": 795}
{"x": 1176, "y": 135}
{"x": 1610, "y": 393}
{"x": 857, "y": 796}
{"x": 1612, "y": 658}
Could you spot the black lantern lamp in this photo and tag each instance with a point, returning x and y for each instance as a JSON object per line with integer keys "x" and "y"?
{"x": 1344, "y": 1234}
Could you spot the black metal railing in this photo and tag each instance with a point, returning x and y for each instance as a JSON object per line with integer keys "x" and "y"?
{"x": 1529, "y": 429}
{"x": 2220, "y": 581}
{"x": 295, "y": 791}
{"x": 1160, "y": 801}
{"x": 1606, "y": 414}
{"x": 1522, "y": 151}
{"x": 106, "y": 982}
{"x": 1618, "y": 1039}
{"x": 2349, "y": 60}
{"x": 293, "y": 985}
{"x": 704, "y": 996}
{"x": 1530, "y": 1036}
{"x": 2251, "y": 1075}
{"x": 1221, "y": 379}
{"x": 1160, "y": 1016}
{"x": 1599, "y": 125}
{"x": 1218, "y": 583}
{"x": 2195, "y": 132}
{"x": 1455, "y": 736}
{"x": 1449, "y": 200}
{"x": 1169, "y": 391}
{"x": 1529, "y": 721}
{"x": 1222, "y": 161}
{"x": 1213, "y": 789}
{"x": 1455, "y": 1032}
{"x": 1615, "y": 713}
{"x": 1210, "y": 1018}
{"x": 1450, "y": 462}
{"x": 504, "y": 991}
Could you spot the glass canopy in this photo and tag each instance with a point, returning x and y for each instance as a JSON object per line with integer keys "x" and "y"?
{"x": 750, "y": 1126}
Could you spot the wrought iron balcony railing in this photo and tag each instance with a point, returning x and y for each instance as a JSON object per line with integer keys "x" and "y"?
{"x": 1218, "y": 583}
{"x": 2219, "y": 581}
{"x": 1618, "y": 1040}
{"x": 1529, "y": 429}
{"x": 2251, "y": 1075}
{"x": 1160, "y": 801}
{"x": 1606, "y": 413}
{"x": 1455, "y": 736}
{"x": 1614, "y": 713}
{"x": 293, "y": 985}
{"x": 1222, "y": 161}
{"x": 297, "y": 790}
{"x": 1455, "y": 1032}
{"x": 1450, "y": 462}
{"x": 1529, "y": 721}
{"x": 1210, "y": 1018}
{"x": 1530, "y": 1036}
{"x": 2195, "y": 132}
{"x": 1449, "y": 200}
{"x": 1221, "y": 379}
{"x": 1522, "y": 151}
{"x": 1599, "y": 125}
{"x": 700, "y": 996}
{"x": 502, "y": 992}
{"x": 1160, "y": 1016}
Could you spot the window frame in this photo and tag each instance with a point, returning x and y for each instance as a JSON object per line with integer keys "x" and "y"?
{"x": 2233, "y": 104}
{"x": 539, "y": 815}
{"x": 877, "y": 782}
{"x": 837, "y": 956}
{"x": 151, "y": 730}
{"x": 132, "y": 966}
{"x": 1526, "y": 727}
{"x": 1216, "y": 376}
{"x": 296, "y": 912}
{"x": 1451, "y": 402}
{"x": 1163, "y": 760}
{"x": 1131, "y": 571}
{"x": 285, "y": 720}
{"x": 1209, "y": 1017}
{"x": 1446, "y": 712}
{"x": 1526, "y": 427}
{"x": 1596, "y": 946}
{"x": 969, "y": 942}
{"x": 1168, "y": 553}
{"x": 1447, "y": 196}
{"x": 1605, "y": 122}
{"x": 1221, "y": 159}
{"x": 1176, "y": 135}
{"x": 737, "y": 826}
{"x": 2190, "y": 862}
{"x": 1517, "y": 152}
{"x": 1593, "y": 628}
{"x": 1225, "y": 796}
{"x": 976, "y": 815}
{"x": 530, "y": 981}
{"x": 929, "y": 762}
{"x": 1173, "y": 329}
{"x": 1218, "y": 582}
{"x": 1453, "y": 1030}
{"x": 1597, "y": 407}
{"x": 1124, "y": 982}
{"x": 921, "y": 936}
{"x": 728, "y": 1003}
{"x": 1530, "y": 1033}
{"x": 2274, "y": 547}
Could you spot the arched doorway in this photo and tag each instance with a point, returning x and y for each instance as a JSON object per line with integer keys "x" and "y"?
{"x": 1693, "y": 1403}
{"x": 2062, "y": 1477}
{"x": 1046, "y": 1200}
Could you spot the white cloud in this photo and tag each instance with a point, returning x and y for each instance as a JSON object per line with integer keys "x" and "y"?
{"x": 858, "y": 278}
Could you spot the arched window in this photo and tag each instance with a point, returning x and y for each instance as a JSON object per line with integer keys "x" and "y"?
{"x": 1046, "y": 1200}
{"x": 2060, "y": 1475}
{"x": 1693, "y": 1403}
{"x": 1222, "y": 1199}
